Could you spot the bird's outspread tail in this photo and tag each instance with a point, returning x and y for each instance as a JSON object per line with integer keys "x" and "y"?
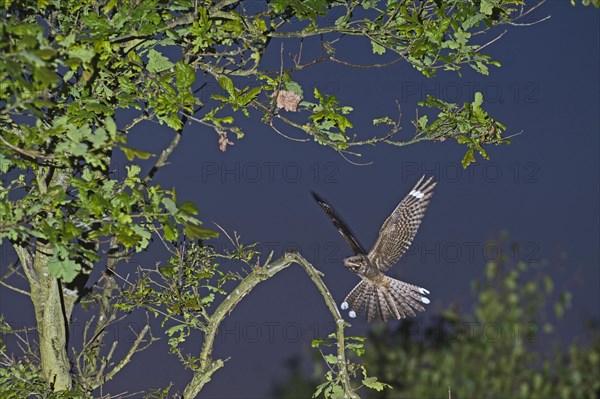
{"x": 392, "y": 299}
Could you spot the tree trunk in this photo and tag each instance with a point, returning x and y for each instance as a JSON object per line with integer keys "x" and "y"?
{"x": 51, "y": 321}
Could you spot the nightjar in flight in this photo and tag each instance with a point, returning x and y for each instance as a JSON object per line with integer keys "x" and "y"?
{"x": 377, "y": 292}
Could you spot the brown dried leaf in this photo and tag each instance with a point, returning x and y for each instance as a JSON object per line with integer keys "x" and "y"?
{"x": 224, "y": 141}
{"x": 288, "y": 100}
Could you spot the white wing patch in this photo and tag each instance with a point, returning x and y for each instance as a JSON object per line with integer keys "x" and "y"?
{"x": 417, "y": 194}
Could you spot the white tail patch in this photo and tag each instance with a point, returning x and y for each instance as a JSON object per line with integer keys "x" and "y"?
{"x": 352, "y": 314}
{"x": 344, "y": 305}
{"x": 425, "y": 300}
{"x": 424, "y": 291}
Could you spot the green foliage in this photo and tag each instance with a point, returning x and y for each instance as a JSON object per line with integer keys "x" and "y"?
{"x": 333, "y": 386}
{"x": 327, "y": 115}
{"x": 431, "y": 37}
{"x": 595, "y": 3}
{"x": 302, "y": 10}
{"x": 469, "y": 125}
{"x": 63, "y": 89}
{"x": 19, "y": 378}
{"x": 237, "y": 99}
{"x": 182, "y": 291}
{"x": 155, "y": 393}
{"x": 88, "y": 207}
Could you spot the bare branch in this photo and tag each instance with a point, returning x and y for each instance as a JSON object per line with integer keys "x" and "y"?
{"x": 127, "y": 358}
{"x": 12, "y": 269}
{"x": 15, "y": 289}
{"x": 164, "y": 155}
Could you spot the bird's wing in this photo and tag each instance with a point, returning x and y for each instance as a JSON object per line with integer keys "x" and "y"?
{"x": 399, "y": 229}
{"x": 340, "y": 225}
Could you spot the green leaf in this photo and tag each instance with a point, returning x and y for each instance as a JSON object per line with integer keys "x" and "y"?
{"x": 133, "y": 170}
{"x": 377, "y": 48}
{"x": 188, "y": 207}
{"x": 250, "y": 95}
{"x": 227, "y": 85}
{"x": 294, "y": 88}
{"x": 548, "y": 284}
{"x": 157, "y": 62}
{"x": 337, "y": 392}
{"x": 320, "y": 389}
{"x": 45, "y": 75}
{"x": 331, "y": 359}
{"x": 172, "y": 120}
{"x": 302, "y": 9}
{"x": 175, "y": 329}
{"x": 207, "y": 300}
{"x": 81, "y": 52}
{"x": 99, "y": 138}
{"x": 478, "y": 100}
{"x": 422, "y": 122}
{"x": 132, "y": 153}
{"x": 144, "y": 237}
{"x": 184, "y": 76}
{"x": 193, "y": 232}
{"x": 170, "y": 233}
{"x": 384, "y": 120}
{"x": 487, "y": 6}
{"x": 63, "y": 269}
{"x": 170, "y": 205}
{"x": 110, "y": 126}
{"x": 469, "y": 158}
{"x": 371, "y": 382}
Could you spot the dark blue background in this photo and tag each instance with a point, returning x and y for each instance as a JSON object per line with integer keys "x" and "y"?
{"x": 542, "y": 188}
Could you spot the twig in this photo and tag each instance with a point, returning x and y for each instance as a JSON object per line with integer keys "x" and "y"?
{"x": 352, "y": 65}
{"x": 15, "y": 289}
{"x": 285, "y": 135}
{"x": 352, "y": 162}
{"x": 164, "y": 155}
{"x": 12, "y": 270}
{"x": 133, "y": 349}
{"x": 530, "y": 23}
{"x": 529, "y": 11}
{"x": 29, "y": 154}
{"x": 491, "y": 41}
{"x": 235, "y": 244}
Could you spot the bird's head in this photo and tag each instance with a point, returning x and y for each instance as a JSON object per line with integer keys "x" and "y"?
{"x": 357, "y": 263}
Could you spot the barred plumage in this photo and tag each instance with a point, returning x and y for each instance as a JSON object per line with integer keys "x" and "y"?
{"x": 378, "y": 293}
